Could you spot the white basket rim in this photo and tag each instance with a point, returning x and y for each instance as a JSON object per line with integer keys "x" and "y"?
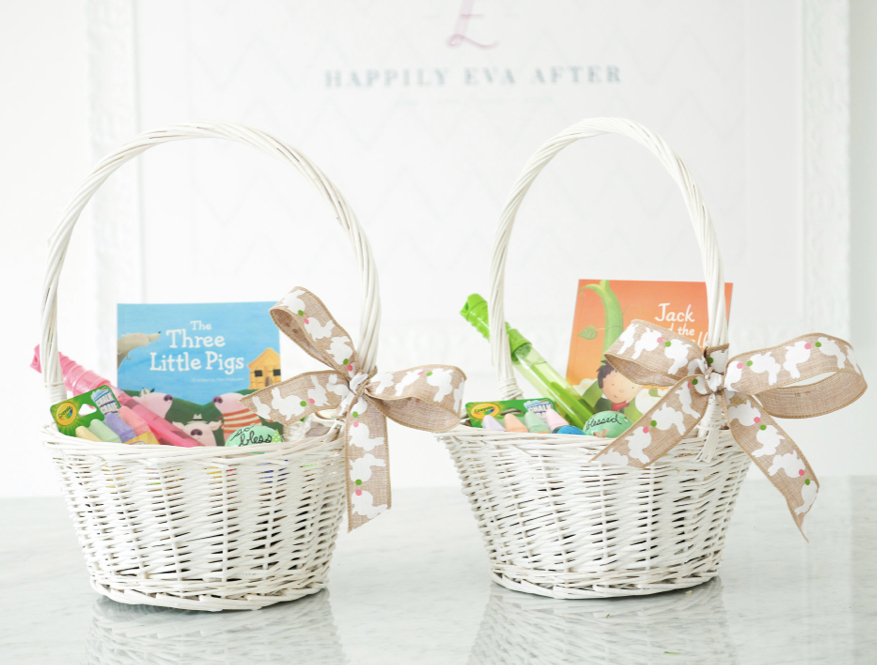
{"x": 328, "y": 442}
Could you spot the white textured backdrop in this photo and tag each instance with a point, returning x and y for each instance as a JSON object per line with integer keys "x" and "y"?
{"x": 425, "y": 134}
{"x": 428, "y": 164}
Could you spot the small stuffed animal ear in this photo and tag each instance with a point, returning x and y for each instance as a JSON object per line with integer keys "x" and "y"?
{"x": 214, "y": 425}
{"x": 178, "y": 425}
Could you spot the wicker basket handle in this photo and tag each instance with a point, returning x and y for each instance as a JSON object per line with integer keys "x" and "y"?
{"x": 60, "y": 239}
{"x": 700, "y": 217}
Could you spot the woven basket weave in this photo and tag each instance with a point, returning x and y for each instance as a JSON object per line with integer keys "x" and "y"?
{"x": 553, "y": 522}
{"x": 204, "y": 528}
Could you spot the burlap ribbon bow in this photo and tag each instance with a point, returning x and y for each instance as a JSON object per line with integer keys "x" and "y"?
{"x": 426, "y": 398}
{"x": 751, "y": 388}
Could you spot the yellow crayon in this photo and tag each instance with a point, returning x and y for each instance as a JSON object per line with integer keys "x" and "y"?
{"x": 85, "y": 433}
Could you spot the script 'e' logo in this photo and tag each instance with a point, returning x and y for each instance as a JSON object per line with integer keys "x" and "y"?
{"x": 460, "y": 37}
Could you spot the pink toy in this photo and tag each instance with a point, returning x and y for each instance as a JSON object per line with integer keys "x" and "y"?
{"x": 78, "y": 380}
{"x": 234, "y": 414}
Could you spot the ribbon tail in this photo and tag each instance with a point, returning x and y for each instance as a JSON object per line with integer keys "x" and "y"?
{"x": 775, "y": 453}
{"x": 662, "y": 427}
{"x": 367, "y": 465}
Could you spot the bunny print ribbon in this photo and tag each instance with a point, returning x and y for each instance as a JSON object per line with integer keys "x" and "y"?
{"x": 751, "y": 388}
{"x": 426, "y": 398}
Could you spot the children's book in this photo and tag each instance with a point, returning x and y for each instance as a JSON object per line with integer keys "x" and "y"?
{"x": 604, "y": 309}
{"x": 192, "y": 363}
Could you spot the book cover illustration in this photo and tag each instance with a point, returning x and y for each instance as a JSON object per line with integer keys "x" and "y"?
{"x": 192, "y": 363}
{"x": 603, "y": 310}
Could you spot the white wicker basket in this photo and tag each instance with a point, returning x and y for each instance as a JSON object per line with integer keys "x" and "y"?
{"x": 555, "y": 523}
{"x": 204, "y": 528}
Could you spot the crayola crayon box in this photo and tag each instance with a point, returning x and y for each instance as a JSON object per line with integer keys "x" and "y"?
{"x": 192, "y": 363}
{"x": 81, "y": 410}
{"x": 499, "y": 408}
{"x": 604, "y": 309}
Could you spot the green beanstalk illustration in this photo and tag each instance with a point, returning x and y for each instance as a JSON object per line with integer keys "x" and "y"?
{"x": 613, "y": 316}
{"x": 612, "y": 327}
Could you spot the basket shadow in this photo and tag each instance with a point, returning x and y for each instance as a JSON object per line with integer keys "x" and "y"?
{"x": 302, "y": 631}
{"x": 690, "y": 626}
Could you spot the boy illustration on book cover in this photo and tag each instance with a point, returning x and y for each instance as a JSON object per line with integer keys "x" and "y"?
{"x": 678, "y": 306}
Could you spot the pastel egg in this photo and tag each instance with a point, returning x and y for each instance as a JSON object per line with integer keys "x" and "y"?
{"x": 608, "y": 424}
{"x": 252, "y": 435}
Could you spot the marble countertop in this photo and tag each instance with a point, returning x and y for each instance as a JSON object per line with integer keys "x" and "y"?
{"x": 412, "y": 587}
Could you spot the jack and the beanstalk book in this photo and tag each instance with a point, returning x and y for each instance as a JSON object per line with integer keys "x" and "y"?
{"x": 192, "y": 363}
{"x": 604, "y": 308}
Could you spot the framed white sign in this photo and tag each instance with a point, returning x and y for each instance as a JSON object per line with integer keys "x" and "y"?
{"x": 424, "y": 114}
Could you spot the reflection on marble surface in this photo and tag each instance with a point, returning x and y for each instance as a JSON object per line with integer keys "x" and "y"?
{"x": 297, "y": 632}
{"x": 413, "y": 587}
{"x": 518, "y": 628}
